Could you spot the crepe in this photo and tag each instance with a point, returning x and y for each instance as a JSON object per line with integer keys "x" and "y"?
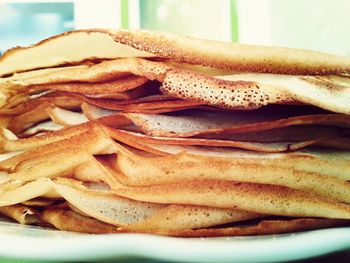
{"x": 158, "y": 133}
{"x": 327, "y": 92}
{"x": 134, "y": 43}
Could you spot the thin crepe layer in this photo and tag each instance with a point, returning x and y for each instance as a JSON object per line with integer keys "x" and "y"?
{"x": 327, "y": 162}
{"x": 60, "y": 100}
{"x": 67, "y": 220}
{"x": 141, "y": 171}
{"x": 180, "y": 217}
{"x": 259, "y": 198}
{"x": 22, "y": 214}
{"x": 327, "y": 92}
{"x": 90, "y": 139}
{"x": 107, "y": 207}
{"x": 133, "y": 215}
{"x": 116, "y": 86}
{"x": 245, "y": 93}
{"x": 228, "y": 124}
{"x": 8, "y": 144}
{"x": 145, "y": 141}
{"x": 28, "y": 191}
{"x": 114, "y": 210}
{"x": 264, "y": 227}
{"x": 65, "y": 49}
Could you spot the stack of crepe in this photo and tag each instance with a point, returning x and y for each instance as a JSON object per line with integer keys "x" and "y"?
{"x": 108, "y": 131}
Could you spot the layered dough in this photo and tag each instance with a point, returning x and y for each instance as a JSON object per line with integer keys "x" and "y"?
{"x": 164, "y": 134}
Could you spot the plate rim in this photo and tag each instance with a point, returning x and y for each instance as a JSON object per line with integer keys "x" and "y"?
{"x": 273, "y": 248}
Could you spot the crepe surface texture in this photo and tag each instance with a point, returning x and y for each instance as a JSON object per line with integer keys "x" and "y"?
{"x": 124, "y": 131}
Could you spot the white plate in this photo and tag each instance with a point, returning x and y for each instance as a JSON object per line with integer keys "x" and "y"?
{"x": 45, "y": 244}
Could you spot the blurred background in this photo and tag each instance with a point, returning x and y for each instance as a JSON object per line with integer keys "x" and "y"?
{"x": 314, "y": 24}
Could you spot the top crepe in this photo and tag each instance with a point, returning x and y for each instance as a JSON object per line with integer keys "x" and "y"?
{"x": 110, "y": 44}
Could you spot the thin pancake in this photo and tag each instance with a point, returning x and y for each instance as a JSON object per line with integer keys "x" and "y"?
{"x": 65, "y": 117}
{"x": 64, "y": 101}
{"x": 224, "y": 123}
{"x": 183, "y": 167}
{"x": 178, "y": 217}
{"x": 111, "y": 87}
{"x": 26, "y": 192}
{"x": 88, "y": 137}
{"x": 332, "y": 163}
{"x": 228, "y": 94}
{"x": 22, "y": 214}
{"x": 107, "y": 207}
{"x": 259, "y": 198}
{"x": 265, "y": 227}
{"x": 65, "y": 49}
{"x": 145, "y": 141}
{"x": 67, "y": 220}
